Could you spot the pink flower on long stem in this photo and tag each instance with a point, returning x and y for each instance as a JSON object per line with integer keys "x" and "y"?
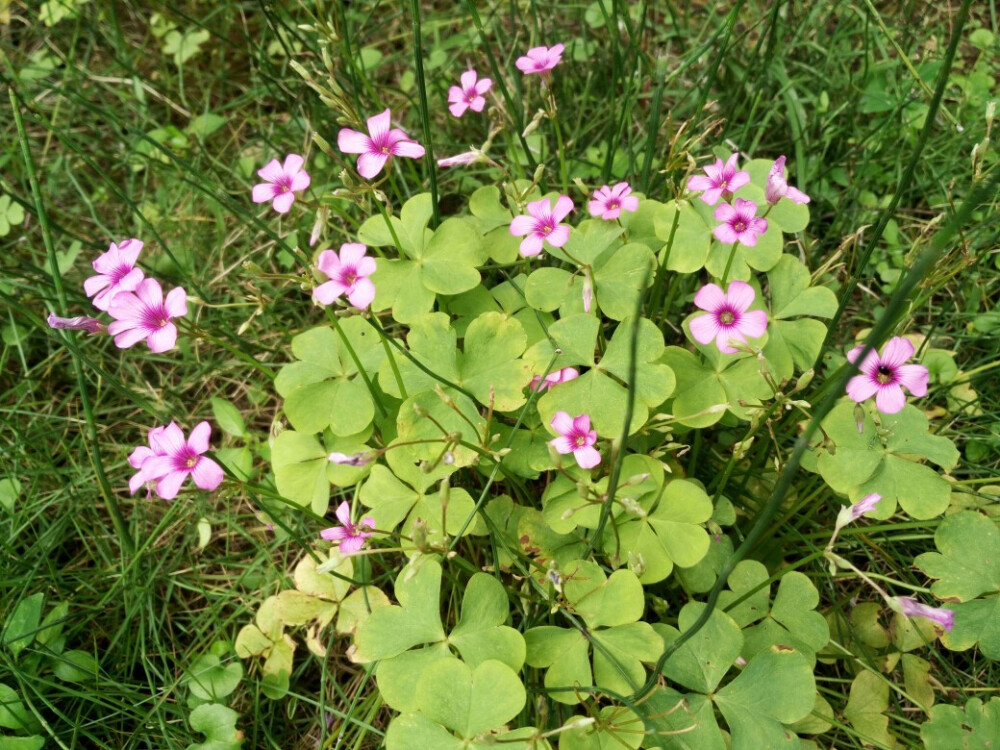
{"x": 463, "y": 159}
{"x": 170, "y": 460}
{"x": 609, "y": 202}
{"x": 116, "y": 272}
{"x": 542, "y": 224}
{"x": 80, "y": 323}
{"x": 719, "y": 180}
{"x": 351, "y": 536}
{"x": 540, "y": 59}
{"x": 884, "y": 376}
{"x": 146, "y": 315}
{"x": 576, "y": 437}
{"x": 348, "y": 274}
{"x": 778, "y": 188}
{"x": 283, "y": 181}
{"x": 554, "y": 378}
{"x": 470, "y": 94}
{"x": 375, "y": 148}
{"x": 912, "y": 608}
{"x": 740, "y": 223}
{"x": 728, "y": 316}
{"x": 853, "y": 512}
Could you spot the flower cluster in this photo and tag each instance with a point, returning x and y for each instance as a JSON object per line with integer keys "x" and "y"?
{"x": 170, "y": 459}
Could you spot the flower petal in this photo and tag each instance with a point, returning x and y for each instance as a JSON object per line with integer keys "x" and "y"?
{"x": 326, "y": 293}
{"x": 704, "y": 328}
{"x": 562, "y": 423}
{"x": 559, "y": 236}
{"x": 176, "y": 302}
{"x": 207, "y": 474}
{"x": 271, "y": 171}
{"x": 334, "y": 534}
{"x": 530, "y": 246}
{"x": 363, "y": 294}
{"x": 127, "y": 336}
{"x": 897, "y": 351}
{"x": 890, "y": 399}
{"x": 343, "y": 513}
{"x": 522, "y": 225}
{"x": 162, "y": 339}
{"x": 913, "y": 378}
{"x": 352, "y": 142}
{"x": 861, "y": 388}
{"x": 468, "y": 79}
{"x": 351, "y": 253}
{"x": 168, "y": 441}
{"x": 562, "y": 444}
{"x": 283, "y": 202}
{"x": 740, "y": 295}
{"x": 378, "y": 125}
{"x": 170, "y": 484}
{"x": 563, "y": 206}
{"x": 293, "y": 163}
{"x": 409, "y": 149}
{"x": 587, "y": 457}
{"x": 199, "y": 437}
{"x": 753, "y": 324}
{"x": 370, "y": 164}
{"x": 710, "y": 297}
{"x": 350, "y": 545}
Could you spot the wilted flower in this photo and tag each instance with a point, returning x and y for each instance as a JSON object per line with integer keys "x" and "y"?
{"x": 170, "y": 459}
{"x": 608, "y": 202}
{"x": 146, "y": 315}
{"x": 719, "y": 180}
{"x": 912, "y": 608}
{"x": 542, "y": 224}
{"x": 356, "y": 459}
{"x": 540, "y": 59}
{"x": 80, "y": 323}
{"x": 740, "y": 223}
{"x": 852, "y": 513}
{"x": 348, "y": 274}
{"x": 351, "y": 536}
{"x": 884, "y": 376}
{"x": 376, "y": 148}
{"x": 282, "y": 182}
{"x": 576, "y": 437}
{"x": 554, "y": 378}
{"x": 116, "y": 272}
{"x": 463, "y": 159}
{"x": 729, "y": 318}
{"x": 469, "y": 95}
{"x": 778, "y": 188}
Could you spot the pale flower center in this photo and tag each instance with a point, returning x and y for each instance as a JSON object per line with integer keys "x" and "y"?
{"x": 727, "y": 318}
{"x": 885, "y": 375}
{"x": 739, "y": 226}
{"x": 385, "y": 150}
{"x": 191, "y": 462}
{"x": 580, "y": 441}
{"x": 613, "y": 204}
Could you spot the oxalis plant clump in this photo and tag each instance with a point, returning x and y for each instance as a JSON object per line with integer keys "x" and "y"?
{"x": 508, "y": 408}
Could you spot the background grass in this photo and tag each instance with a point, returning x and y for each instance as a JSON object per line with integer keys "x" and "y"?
{"x": 109, "y": 107}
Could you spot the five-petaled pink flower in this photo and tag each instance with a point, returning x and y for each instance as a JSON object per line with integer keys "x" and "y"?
{"x": 469, "y": 95}
{"x": 283, "y": 181}
{"x": 540, "y": 59}
{"x": 728, "y": 316}
{"x": 884, "y": 376}
{"x": 609, "y": 202}
{"x": 853, "y": 512}
{"x": 146, "y": 315}
{"x": 554, "y": 378}
{"x": 79, "y": 323}
{"x": 116, "y": 273}
{"x": 740, "y": 223}
{"x": 912, "y": 608}
{"x": 170, "y": 459}
{"x": 576, "y": 437}
{"x": 542, "y": 224}
{"x": 348, "y": 274}
{"x": 351, "y": 536}
{"x": 376, "y": 148}
{"x": 720, "y": 180}
{"x": 778, "y": 188}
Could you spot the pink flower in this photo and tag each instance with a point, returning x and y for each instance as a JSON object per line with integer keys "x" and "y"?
{"x": 283, "y": 181}
{"x": 376, "y": 148}
{"x": 576, "y": 437}
{"x": 884, "y": 376}
{"x": 170, "y": 459}
{"x": 913, "y": 608}
{"x": 116, "y": 273}
{"x": 469, "y": 95}
{"x": 721, "y": 180}
{"x": 350, "y": 536}
{"x": 608, "y": 203}
{"x": 853, "y": 512}
{"x": 463, "y": 159}
{"x": 348, "y": 274}
{"x": 777, "y": 188}
{"x": 146, "y": 315}
{"x": 540, "y": 59}
{"x": 740, "y": 223}
{"x": 81, "y": 323}
{"x": 357, "y": 459}
{"x": 542, "y": 224}
{"x": 554, "y": 378}
{"x": 728, "y": 318}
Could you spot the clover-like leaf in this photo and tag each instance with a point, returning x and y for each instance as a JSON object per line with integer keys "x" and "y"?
{"x": 470, "y": 700}
{"x": 614, "y": 728}
{"x": 683, "y": 235}
{"x": 218, "y": 724}
{"x": 791, "y": 621}
{"x": 300, "y": 470}
{"x": 866, "y": 707}
{"x": 704, "y": 659}
{"x": 871, "y": 459}
{"x": 951, "y": 728}
{"x": 481, "y": 633}
{"x": 210, "y": 679}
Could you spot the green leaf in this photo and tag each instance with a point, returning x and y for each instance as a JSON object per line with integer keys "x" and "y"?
{"x": 22, "y": 624}
{"x": 600, "y": 600}
{"x": 430, "y": 419}
{"x": 976, "y": 622}
{"x": 184, "y": 46}
{"x": 210, "y": 679}
{"x": 481, "y": 634}
{"x": 967, "y": 563}
{"x": 792, "y": 295}
{"x": 761, "y": 257}
{"x": 10, "y": 490}
{"x": 619, "y": 277}
{"x": 588, "y": 241}
{"x": 789, "y": 216}
{"x": 866, "y": 707}
{"x": 300, "y": 464}
{"x": 748, "y": 584}
{"x": 204, "y": 125}
{"x": 469, "y": 700}
{"x": 218, "y": 724}
{"x": 951, "y": 728}
{"x": 692, "y": 237}
{"x": 777, "y": 687}
{"x": 703, "y": 660}
{"x": 22, "y": 743}
{"x": 13, "y": 714}
{"x": 616, "y": 728}
{"x": 689, "y": 718}
{"x": 414, "y": 731}
{"x": 792, "y": 621}
{"x": 398, "y": 676}
{"x": 564, "y": 654}
{"x": 228, "y": 417}
{"x": 75, "y": 666}
{"x": 393, "y": 630}
{"x": 491, "y": 367}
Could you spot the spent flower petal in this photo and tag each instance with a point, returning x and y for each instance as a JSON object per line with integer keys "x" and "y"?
{"x": 80, "y": 323}
{"x": 554, "y": 378}
{"x": 912, "y": 608}
{"x": 852, "y": 513}
{"x": 778, "y": 188}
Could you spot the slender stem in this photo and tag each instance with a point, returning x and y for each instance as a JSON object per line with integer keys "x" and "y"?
{"x": 729, "y": 265}
{"x": 117, "y": 517}
{"x": 418, "y": 58}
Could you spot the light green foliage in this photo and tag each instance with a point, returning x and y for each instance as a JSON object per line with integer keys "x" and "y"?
{"x": 612, "y": 728}
{"x": 793, "y": 340}
{"x": 692, "y": 237}
{"x": 209, "y": 678}
{"x": 13, "y": 713}
{"x": 228, "y": 417}
{"x": 884, "y": 459}
{"x": 967, "y": 566}
{"x": 218, "y": 724}
{"x": 302, "y": 469}
{"x": 11, "y": 214}
{"x": 442, "y": 261}
{"x": 52, "y": 12}
{"x": 600, "y": 392}
{"x": 323, "y": 389}
{"x": 951, "y": 728}
{"x": 10, "y": 491}
{"x": 866, "y": 707}
{"x": 610, "y": 607}
{"x": 21, "y": 625}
